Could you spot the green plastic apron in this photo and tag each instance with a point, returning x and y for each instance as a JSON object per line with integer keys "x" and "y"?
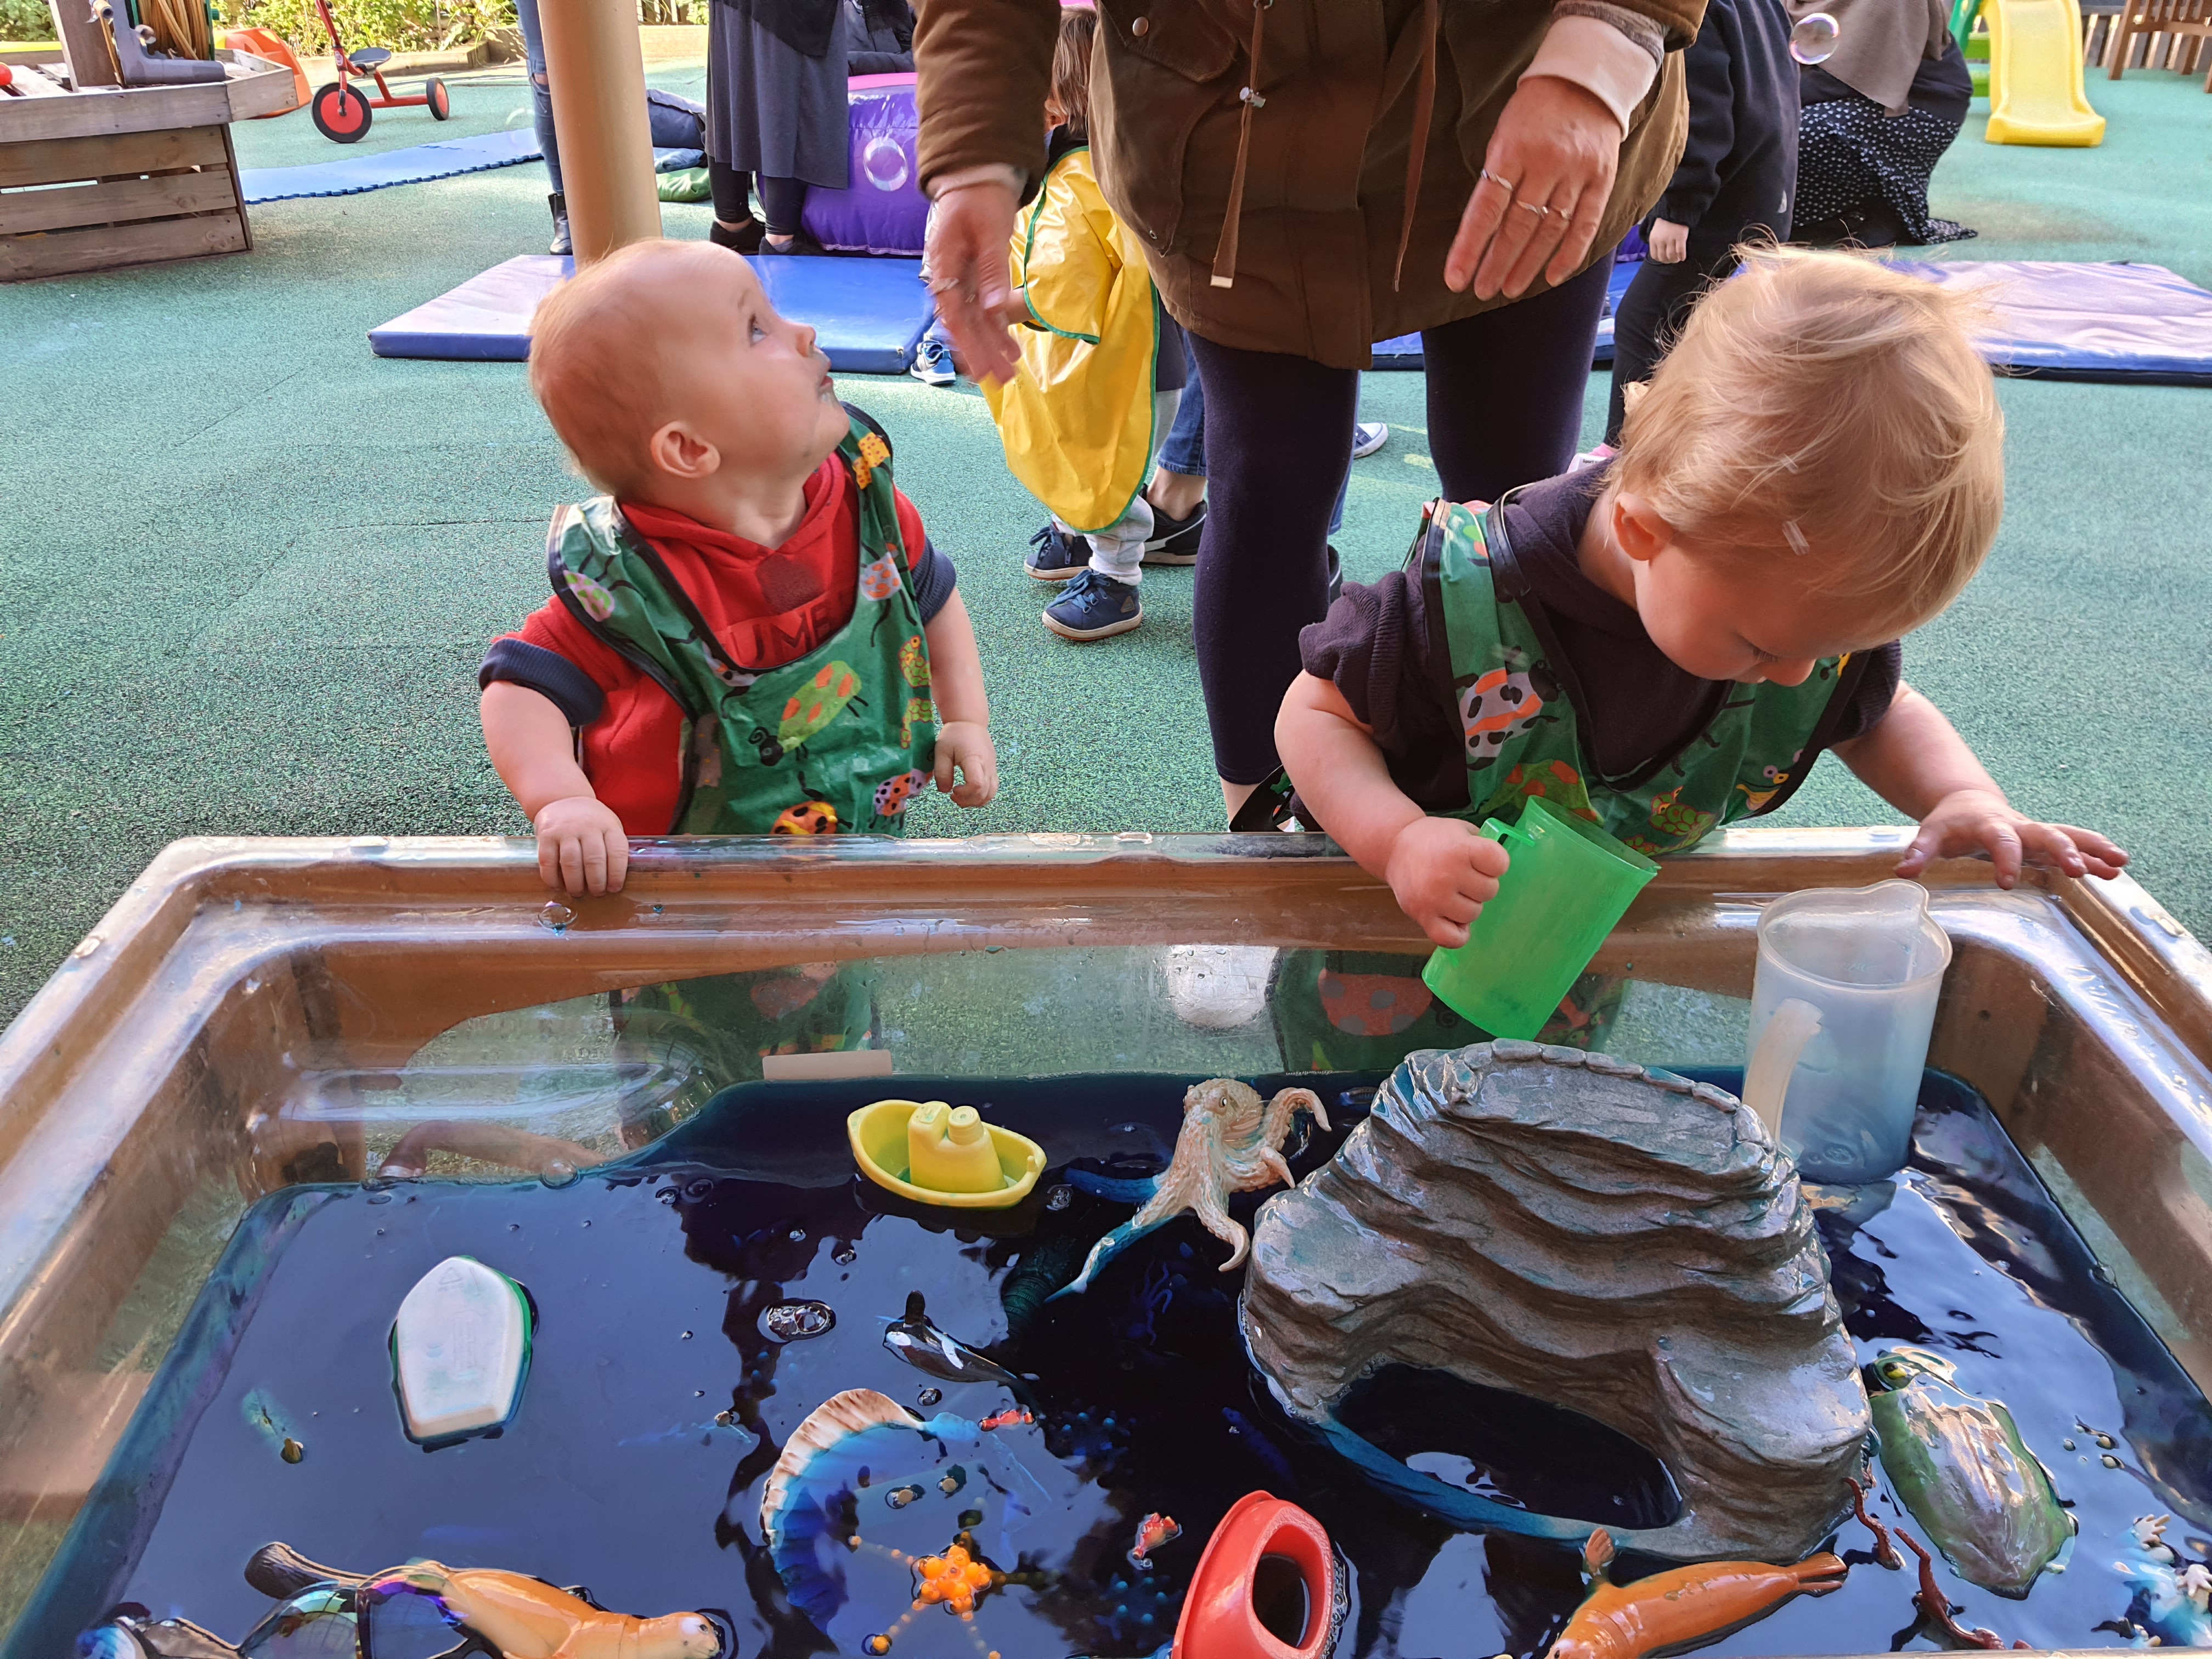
{"x": 1521, "y": 715}
{"x": 840, "y": 740}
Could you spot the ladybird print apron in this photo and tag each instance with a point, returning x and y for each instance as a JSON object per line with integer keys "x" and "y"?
{"x": 840, "y": 740}
{"x": 1522, "y": 711}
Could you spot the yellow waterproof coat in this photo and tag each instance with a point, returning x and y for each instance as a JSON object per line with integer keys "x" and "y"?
{"x": 1077, "y": 417}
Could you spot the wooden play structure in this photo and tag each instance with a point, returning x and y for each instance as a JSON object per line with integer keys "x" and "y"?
{"x": 2173, "y": 34}
{"x": 94, "y": 174}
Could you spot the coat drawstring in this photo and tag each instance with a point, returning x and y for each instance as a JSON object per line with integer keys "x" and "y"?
{"x": 1425, "y": 104}
{"x": 1225, "y": 252}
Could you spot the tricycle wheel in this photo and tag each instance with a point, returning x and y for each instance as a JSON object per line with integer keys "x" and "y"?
{"x": 340, "y": 113}
{"x": 441, "y": 104}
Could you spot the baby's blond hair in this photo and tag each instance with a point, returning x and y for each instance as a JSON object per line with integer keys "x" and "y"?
{"x": 1826, "y": 416}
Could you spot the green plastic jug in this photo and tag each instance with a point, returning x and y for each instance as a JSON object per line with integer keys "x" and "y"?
{"x": 1568, "y": 884}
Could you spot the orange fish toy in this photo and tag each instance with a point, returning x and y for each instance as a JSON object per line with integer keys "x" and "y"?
{"x": 1671, "y": 1611}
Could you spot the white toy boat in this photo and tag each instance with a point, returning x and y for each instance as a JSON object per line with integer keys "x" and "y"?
{"x": 460, "y": 1349}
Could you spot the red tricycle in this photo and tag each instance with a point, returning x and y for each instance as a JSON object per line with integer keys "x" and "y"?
{"x": 341, "y": 109}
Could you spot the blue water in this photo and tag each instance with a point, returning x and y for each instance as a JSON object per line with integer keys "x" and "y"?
{"x": 656, "y": 1404}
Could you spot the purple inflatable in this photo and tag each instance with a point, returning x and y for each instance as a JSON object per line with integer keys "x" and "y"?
{"x": 882, "y": 210}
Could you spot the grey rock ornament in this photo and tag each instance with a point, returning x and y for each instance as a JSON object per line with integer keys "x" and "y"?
{"x": 1620, "y": 1243}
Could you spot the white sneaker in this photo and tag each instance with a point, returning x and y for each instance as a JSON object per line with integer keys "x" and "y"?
{"x": 1218, "y": 987}
{"x": 932, "y": 363}
{"x": 1584, "y": 459}
{"x": 1367, "y": 437}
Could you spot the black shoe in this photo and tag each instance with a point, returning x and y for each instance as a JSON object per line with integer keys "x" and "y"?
{"x": 559, "y": 205}
{"x": 746, "y": 239}
{"x": 800, "y": 243}
{"x": 1174, "y": 541}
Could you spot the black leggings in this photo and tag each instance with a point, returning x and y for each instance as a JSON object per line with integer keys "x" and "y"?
{"x": 1650, "y": 318}
{"x": 781, "y": 199}
{"x": 1505, "y": 406}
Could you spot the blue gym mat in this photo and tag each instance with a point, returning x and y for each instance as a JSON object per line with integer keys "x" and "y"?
{"x": 418, "y": 163}
{"x": 868, "y": 313}
{"x": 1404, "y": 351}
{"x": 2057, "y": 320}
{"x": 2053, "y": 319}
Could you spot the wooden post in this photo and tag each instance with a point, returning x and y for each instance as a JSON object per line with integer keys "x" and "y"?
{"x": 84, "y": 44}
{"x": 596, "y": 68}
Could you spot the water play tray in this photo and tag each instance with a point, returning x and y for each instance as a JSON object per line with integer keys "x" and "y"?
{"x": 259, "y": 1026}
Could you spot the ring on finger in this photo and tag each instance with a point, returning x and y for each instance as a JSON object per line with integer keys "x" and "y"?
{"x": 1540, "y": 212}
{"x": 1505, "y": 184}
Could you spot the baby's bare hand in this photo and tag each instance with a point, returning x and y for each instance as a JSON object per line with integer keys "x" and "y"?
{"x": 1980, "y": 821}
{"x": 1442, "y": 873}
{"x": 582, "y": 846}
{"x": 966, "y": 746}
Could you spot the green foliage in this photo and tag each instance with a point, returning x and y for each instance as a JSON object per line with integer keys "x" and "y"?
{"x": 25, "y": 20}
{"x": 402, "y": 25}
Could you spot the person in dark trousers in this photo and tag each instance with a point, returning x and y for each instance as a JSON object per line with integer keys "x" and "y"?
{"x": 1733, "y": 184}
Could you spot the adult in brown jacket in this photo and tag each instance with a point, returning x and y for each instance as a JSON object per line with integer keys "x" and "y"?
{"x": 1309, "y": 177}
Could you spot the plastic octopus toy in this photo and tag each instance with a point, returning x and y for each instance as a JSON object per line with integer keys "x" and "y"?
{"x": 1231, "y": 1142}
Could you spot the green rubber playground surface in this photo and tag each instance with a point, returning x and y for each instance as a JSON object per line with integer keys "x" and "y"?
{"x": 250, "y": 569}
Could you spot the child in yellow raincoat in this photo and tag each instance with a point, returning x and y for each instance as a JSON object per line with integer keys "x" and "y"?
{"x": 1102, "y": 369}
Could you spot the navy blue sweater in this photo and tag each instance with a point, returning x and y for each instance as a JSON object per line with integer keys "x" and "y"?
{"x": 1738, "y": 163}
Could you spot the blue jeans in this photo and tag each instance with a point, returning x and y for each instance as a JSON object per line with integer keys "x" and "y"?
{"x": 678, "y": 123}
{"x": 1184, "y": 451}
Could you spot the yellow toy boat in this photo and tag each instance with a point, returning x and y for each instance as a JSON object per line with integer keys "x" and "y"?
{"x": 934, "y": 1153}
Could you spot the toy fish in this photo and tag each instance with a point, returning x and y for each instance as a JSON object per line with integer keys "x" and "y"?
{"x": 1959, "y": 1464}
{"x": 1012, "y": 1417}
{"x": 1671, "y": 1611}
{"x": 1154, "y": 1530}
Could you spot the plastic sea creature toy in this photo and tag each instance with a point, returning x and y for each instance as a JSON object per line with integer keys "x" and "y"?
{"x": 1682, "y": 1607}
{"x": 1231, "y": 1142}
{"x": 835, "y": 1419}
{"x": 1154, "y": 1530}
{"x": 1266, "y": 1587}
{"x": 2174, "y": 1602}
{"x": 460, "y": 1351}
{"x": 1959, "y": 1464}
{"x": 934, "y": 1153}
{"x": 1935, "y": 1609}
{"x": 916, "y": 1340}
{"x": 953, "y": 1579}
{"x": 507, "y": 1615}
{"x": 1012, "y": 1417}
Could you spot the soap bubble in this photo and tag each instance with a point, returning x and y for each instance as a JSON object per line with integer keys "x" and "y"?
{"x": 844, "y": 1255}
{"x": 1813, "y": 39}
{"x": 558, "y": 1172}
{"x": 291, "y": 1451}
{"x": 556, "y": 916}
{"x": 1058, "y": 1198}
{"x": 884, "y": 162}
{"x": 929, "y": 1397}
{"x": 794, "y": 1321}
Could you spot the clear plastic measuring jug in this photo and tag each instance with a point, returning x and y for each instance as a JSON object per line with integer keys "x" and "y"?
{"x": 1870, "y": 961}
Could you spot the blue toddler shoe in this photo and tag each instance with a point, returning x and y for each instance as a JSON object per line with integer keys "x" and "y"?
{"x": 1094, "y": 607}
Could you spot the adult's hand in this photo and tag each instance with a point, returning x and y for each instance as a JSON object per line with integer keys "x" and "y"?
{"x": 971, "y": 230}
{"x": 1556, "y": 147}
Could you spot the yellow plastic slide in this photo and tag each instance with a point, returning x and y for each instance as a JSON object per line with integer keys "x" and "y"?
{"x": 2035, "y": 75}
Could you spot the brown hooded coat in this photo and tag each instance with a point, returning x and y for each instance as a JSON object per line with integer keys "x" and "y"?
{"x": 1318, "y": 221}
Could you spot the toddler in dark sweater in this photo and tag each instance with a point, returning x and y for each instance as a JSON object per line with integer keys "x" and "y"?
{"x": 1667, "y": 645}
